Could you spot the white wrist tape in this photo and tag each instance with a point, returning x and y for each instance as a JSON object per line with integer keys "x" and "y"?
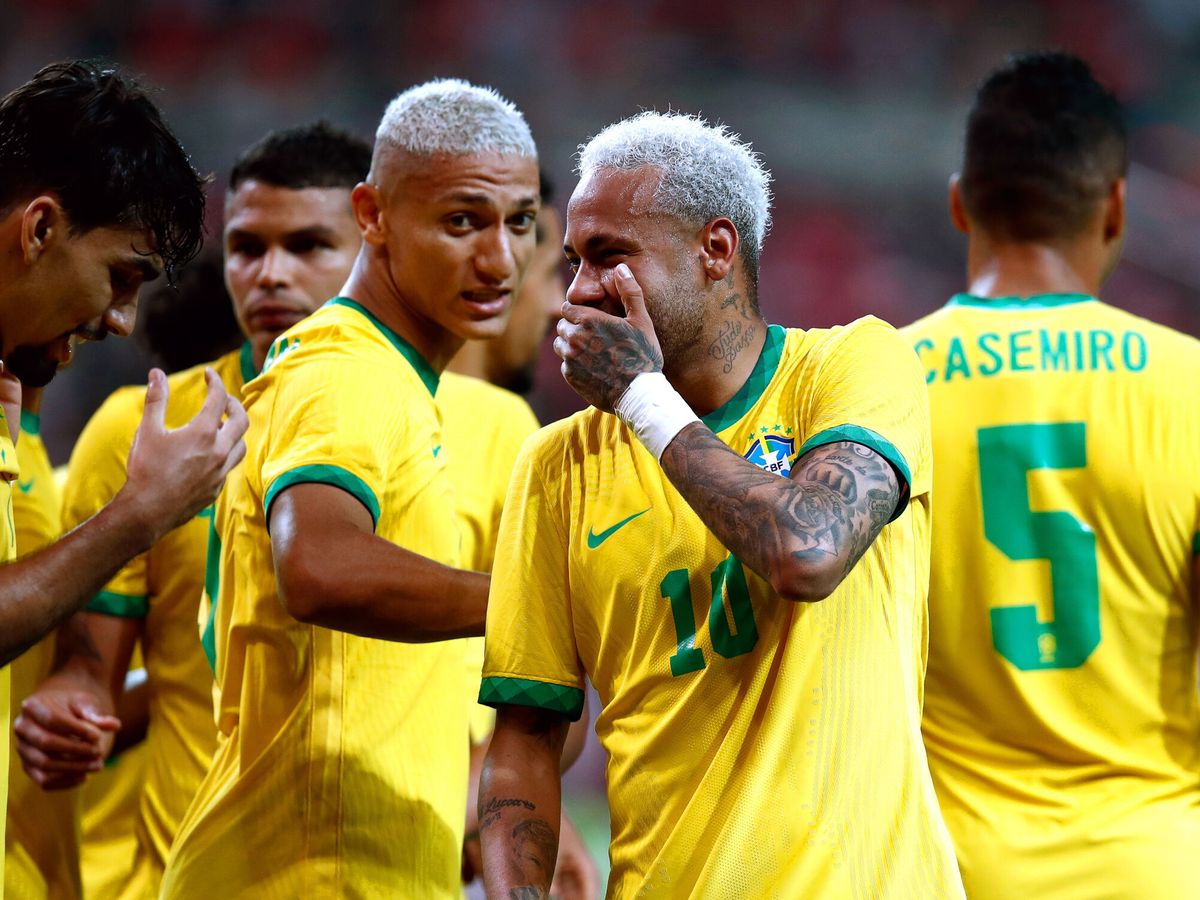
{"x": 654, "y": 411}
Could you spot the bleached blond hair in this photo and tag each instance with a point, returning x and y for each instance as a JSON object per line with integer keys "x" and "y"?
{"x": 707, "y": 171}
{"x": 452, "y": 116}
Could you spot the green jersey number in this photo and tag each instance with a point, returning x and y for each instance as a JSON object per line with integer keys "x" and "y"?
{"x": 1006, "y": 455}
{"x": 728, "y": 580}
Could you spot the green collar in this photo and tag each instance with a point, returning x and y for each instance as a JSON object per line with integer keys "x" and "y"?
{"x": 246, "y": 357}
{"x": 31, "y": 423}
{"x": 764, "y": 370}
{"x": 1034, "y": 301}
{"x": 423, "y": 369}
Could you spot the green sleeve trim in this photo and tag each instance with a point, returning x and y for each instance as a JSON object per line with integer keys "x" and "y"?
{"x": 1196, "y": 544}
{"x": 125, "y": 606}
{"x": 874, "y": 441}
{"x": 497, "y": 690}
{"x": 31, "y": 423}
{"x": 335, "y": 476}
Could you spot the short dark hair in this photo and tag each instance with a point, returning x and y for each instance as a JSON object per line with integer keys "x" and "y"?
{"x": 193, "y": 321}
{"x": 92, "y": 137}
{"x": 309, "y": 156}
{"x": 1045, "y": 142}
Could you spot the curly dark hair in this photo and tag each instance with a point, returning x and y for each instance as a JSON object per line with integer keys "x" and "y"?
{"x": 1045, "y": 142}
{"x": 92, "y": 137}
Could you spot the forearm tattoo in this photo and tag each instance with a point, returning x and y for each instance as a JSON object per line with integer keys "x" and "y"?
{"x": 833, "y": 506}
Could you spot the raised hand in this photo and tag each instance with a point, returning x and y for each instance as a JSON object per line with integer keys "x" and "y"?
{"x": 602, "y": 353}
{"x": 173, "y": 474}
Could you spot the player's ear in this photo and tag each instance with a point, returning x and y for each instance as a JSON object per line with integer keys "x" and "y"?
{"x": 718, "y": 247}
{"x": 42, "y": 222}
{"x": 958, "y": 212}
{"x": 1114, "y": 212}
{"x": 368, "y": 213}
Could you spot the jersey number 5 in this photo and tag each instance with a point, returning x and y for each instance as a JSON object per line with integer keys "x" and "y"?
{"x": 1006, "y": 455}
{"x": 729, "y": 578}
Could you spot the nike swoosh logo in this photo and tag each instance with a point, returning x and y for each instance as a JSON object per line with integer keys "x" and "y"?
{"x": 437, "y": 450}
{"x": 25, "y": 486}
{"x": 595, "y": 540}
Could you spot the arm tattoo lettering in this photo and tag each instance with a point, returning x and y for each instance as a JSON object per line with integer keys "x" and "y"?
{"x": 527, "y": 893}
{"x": 489, "y": 813}
{"x": 837, "y": 500}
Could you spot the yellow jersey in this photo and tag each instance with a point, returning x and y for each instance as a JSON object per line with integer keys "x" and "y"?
{"x": 733, "y": 718}
{"x": 111, "y": 801}
{"x": 340, "y": 762}
{"x": 483, "y": 427}
{"x": 1061, "y": 714}
{"x": 162, "y": 588}
{"x": 42, "y": 840}
{"x": 9, "y": 472}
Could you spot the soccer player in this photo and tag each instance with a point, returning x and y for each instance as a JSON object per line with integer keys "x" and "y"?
{"x": 96, "y": 195}
{"x": 290, "y": 240}
{"x": 746, "y": 590}
{"x": 1061, "y": 713}
{"x": 42, "y": 834}
{"x": 342, "y": 732}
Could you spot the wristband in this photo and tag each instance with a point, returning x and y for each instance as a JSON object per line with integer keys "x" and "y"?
{"x": 654, "y": 411}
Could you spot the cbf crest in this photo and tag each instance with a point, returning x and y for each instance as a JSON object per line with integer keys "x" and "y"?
{"x": 772, "y": 450}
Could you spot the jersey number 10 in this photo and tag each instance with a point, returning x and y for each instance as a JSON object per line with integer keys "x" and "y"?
{"x": 728, "y": 578}
{"x": 1007, "y": 454}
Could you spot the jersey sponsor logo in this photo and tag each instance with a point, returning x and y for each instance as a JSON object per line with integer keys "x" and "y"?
{"x": 595, "y": 540}
{"x": 772, "y": 453}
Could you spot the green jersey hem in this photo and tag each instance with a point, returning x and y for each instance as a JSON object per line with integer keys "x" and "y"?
{"x": 423, "y": 369}
{"x": 496, "y": 690}
{"x": 334, "y": 476}
{"x": 764, "y": 370}
{"x": 31, "y": 423}
{"x": 124, "y": 606}
{"x": 246, "y": 359}
{"x": 876, "y": 442}
{"x": 1034, "y": 301}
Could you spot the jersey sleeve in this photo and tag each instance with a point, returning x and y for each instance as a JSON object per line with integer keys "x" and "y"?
{"x": 869, "y": 389}
{"x": 530, "y": 657}
{"x": 327, "y": 426}
{"x": 95, "y": 473}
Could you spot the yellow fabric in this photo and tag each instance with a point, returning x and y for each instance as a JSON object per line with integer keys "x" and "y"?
{"x": 9, "y": 472}
{"x": 758, "y": 748}
{"x": 340, "y": 759}
{"x": 42, "y": 841}
{"x": 483, "y": 427}
{"x": 111, "y": 805}
{"x": 162, "y": 588}
{"x": 1061, "y": 714}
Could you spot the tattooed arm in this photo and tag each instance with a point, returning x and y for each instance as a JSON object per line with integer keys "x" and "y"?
{"x": 520, "y": 803}
{"x": 804, "y": 533}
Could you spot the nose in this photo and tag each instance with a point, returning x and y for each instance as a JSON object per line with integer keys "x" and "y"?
{"x": 120, "y": 318}
{"x": 586, "y": 286}
{"x": 494, "y": 259}
{"x": 274, "y": 270}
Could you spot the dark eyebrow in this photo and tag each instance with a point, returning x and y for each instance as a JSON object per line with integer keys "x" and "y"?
{"x": 594, "y": 243}
{"x": 148, "y": 270}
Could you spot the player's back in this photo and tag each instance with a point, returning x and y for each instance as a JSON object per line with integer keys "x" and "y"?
{"x": 1061, "y": 714}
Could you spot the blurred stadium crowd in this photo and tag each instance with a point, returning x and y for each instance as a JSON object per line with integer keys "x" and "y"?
{"x": 856, "y": 106}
